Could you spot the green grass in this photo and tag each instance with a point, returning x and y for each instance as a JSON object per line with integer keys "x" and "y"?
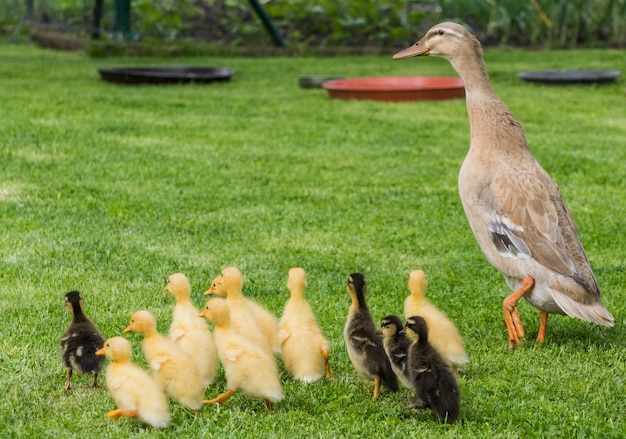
{"x": 109, "y": 189}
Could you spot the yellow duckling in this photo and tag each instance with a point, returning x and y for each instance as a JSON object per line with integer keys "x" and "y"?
{"x": 191, "y": 332}
{"x": 442, "y": 333}
{"x": 248, "y": 368}
{"x": 136, "y": 394}
{"x": 173, "y": 370}
{"x": 304, "y": 348}
{"x": 263, "y": 325}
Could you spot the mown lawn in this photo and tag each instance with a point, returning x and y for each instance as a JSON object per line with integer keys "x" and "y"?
{"x": 109, "y": 189}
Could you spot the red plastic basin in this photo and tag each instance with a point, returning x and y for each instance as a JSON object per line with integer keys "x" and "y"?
{"x": 397, "y": 88}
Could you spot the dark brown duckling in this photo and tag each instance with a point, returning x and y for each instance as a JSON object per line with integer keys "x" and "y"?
{"x": 364, "y": 344}
{"x": 80, "y": 342}
{"x": 433, "y": 380}
{"x": 397, "y": 345}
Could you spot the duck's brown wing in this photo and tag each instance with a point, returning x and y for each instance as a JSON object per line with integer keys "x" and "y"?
{"x": 529, "y": 219}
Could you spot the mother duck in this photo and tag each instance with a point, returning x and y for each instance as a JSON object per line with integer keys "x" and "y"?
{"x": 514, "y": 208}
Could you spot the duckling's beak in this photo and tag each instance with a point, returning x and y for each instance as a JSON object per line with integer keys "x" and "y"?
{"x": 417, "y": 49}
{"x": 201, "y": 314}
{"x": 127, "y": 329}
{"x": 209, "y": 291}
{"x": 402, "y": 331}
{"x": 100, "y": 351}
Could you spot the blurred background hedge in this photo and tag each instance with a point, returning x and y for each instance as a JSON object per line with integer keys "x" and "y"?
{"x": 329, "y": 23}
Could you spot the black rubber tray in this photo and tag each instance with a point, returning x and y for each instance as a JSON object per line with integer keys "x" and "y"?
{"x": 165, "y": 75}
{"x": 570, "y": 76}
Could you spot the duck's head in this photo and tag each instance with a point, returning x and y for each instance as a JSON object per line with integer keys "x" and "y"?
{"x": 417, "y": 283}
{"x": 391, "y": 326}
{"x": 216, "y": 287}
{"x": 357, "y": 288}
{"x": 116, "y": 349}
{"x": 73, "y": 302}
{"x": 216, "y": 311}
{"x": 141, "y": 322}
{"x": 178, "y": 285}
{"x": 232, "y": 280}
{"x": 446, "y": 40}
{"x": 416, "y": 328}
{"x": 296, "y": 280}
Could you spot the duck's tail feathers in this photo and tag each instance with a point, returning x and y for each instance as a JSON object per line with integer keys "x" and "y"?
{"x": 594, "y": 313}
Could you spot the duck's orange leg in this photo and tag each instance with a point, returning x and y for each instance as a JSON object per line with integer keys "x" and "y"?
{"x": 543, "y": 325}
{"x": 116, "y": 414}
{"x": 220, "y": 399}
{"x": 376, "y": 386}
{"x": 268, "y": 405}
{"x": 511, "y": 313}
{"x": 326, "y": 355}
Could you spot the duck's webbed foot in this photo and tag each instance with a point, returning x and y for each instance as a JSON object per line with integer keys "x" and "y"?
{"x": 511, "y": 313}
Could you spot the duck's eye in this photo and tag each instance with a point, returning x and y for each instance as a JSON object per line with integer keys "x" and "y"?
{"x": 108, "y": 345}
{"x": 440, "y": 32}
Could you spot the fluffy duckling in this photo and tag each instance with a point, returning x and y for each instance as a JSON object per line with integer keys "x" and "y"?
{"x": 443, "y": 334}
{"x": 397, "y": 345}
{"x": 304, "y": 349}
{"x": 172, "y": 369}
{"x": 514, "y": 208}
{"x": 263, "y": 326}
{"x": 136, "y": 394}
{"x": 433, "y": 380}
{"x": 80, "y": 342}
{"x": 248, "y": 367}
{"x": 191, "y": 332}
{"x": 364, "y": 344}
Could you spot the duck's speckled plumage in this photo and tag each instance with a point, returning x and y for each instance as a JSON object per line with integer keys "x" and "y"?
{"x": 514, "y": 208}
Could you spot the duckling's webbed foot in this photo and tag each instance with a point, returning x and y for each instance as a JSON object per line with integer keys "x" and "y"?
{"x": 68, "y": 378}
{"x": 511, "y": 313}
{"x": 417, "y": 404}
{"x": 376, "y": 387}
{"x": 220, "y": 399}
{"x": 326, "y": 356}
{"x": 116, "y": 414}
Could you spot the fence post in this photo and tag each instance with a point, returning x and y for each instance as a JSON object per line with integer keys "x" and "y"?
{"x": 121, "y": 29}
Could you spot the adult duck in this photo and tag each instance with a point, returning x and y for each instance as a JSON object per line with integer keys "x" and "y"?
{"x": 514, "y": 208}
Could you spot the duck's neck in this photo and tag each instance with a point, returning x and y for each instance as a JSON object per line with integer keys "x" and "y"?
{"x": 489, "y": 116}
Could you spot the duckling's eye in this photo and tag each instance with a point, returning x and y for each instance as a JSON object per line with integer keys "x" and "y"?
{"x": 440, "y": 32}
{"x": 108, "y": 345}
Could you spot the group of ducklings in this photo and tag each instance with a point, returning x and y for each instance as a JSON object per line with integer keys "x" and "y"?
{"x": 424, "y": 353}
{"x": 247, "y": 338}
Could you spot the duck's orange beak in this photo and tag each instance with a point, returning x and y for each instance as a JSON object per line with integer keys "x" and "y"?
{"x": 417, "y": 49}
{"x": 209, "y": 291}
{"x": 100, "y": 351}
{"x": 128, "y": 329}
{"x": 201, "y": 314}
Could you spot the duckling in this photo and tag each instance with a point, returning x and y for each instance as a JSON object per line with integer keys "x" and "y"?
{"x": 172, "y": 369}
{"x": 515, "y": 210}
{"x": 304, "y": 349}
{"x": 397, "y": 345}
{"x": 136, "y": 394}
{"x": 443, "y": 334}
{"x": 80, "y": 342}
{"x": 248, "y": 316}
{"x": 363, "y": 343}
{"x": 248, "y": 367}
{"x": 433, "y": 380}
{"x": 191, "y": 332}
